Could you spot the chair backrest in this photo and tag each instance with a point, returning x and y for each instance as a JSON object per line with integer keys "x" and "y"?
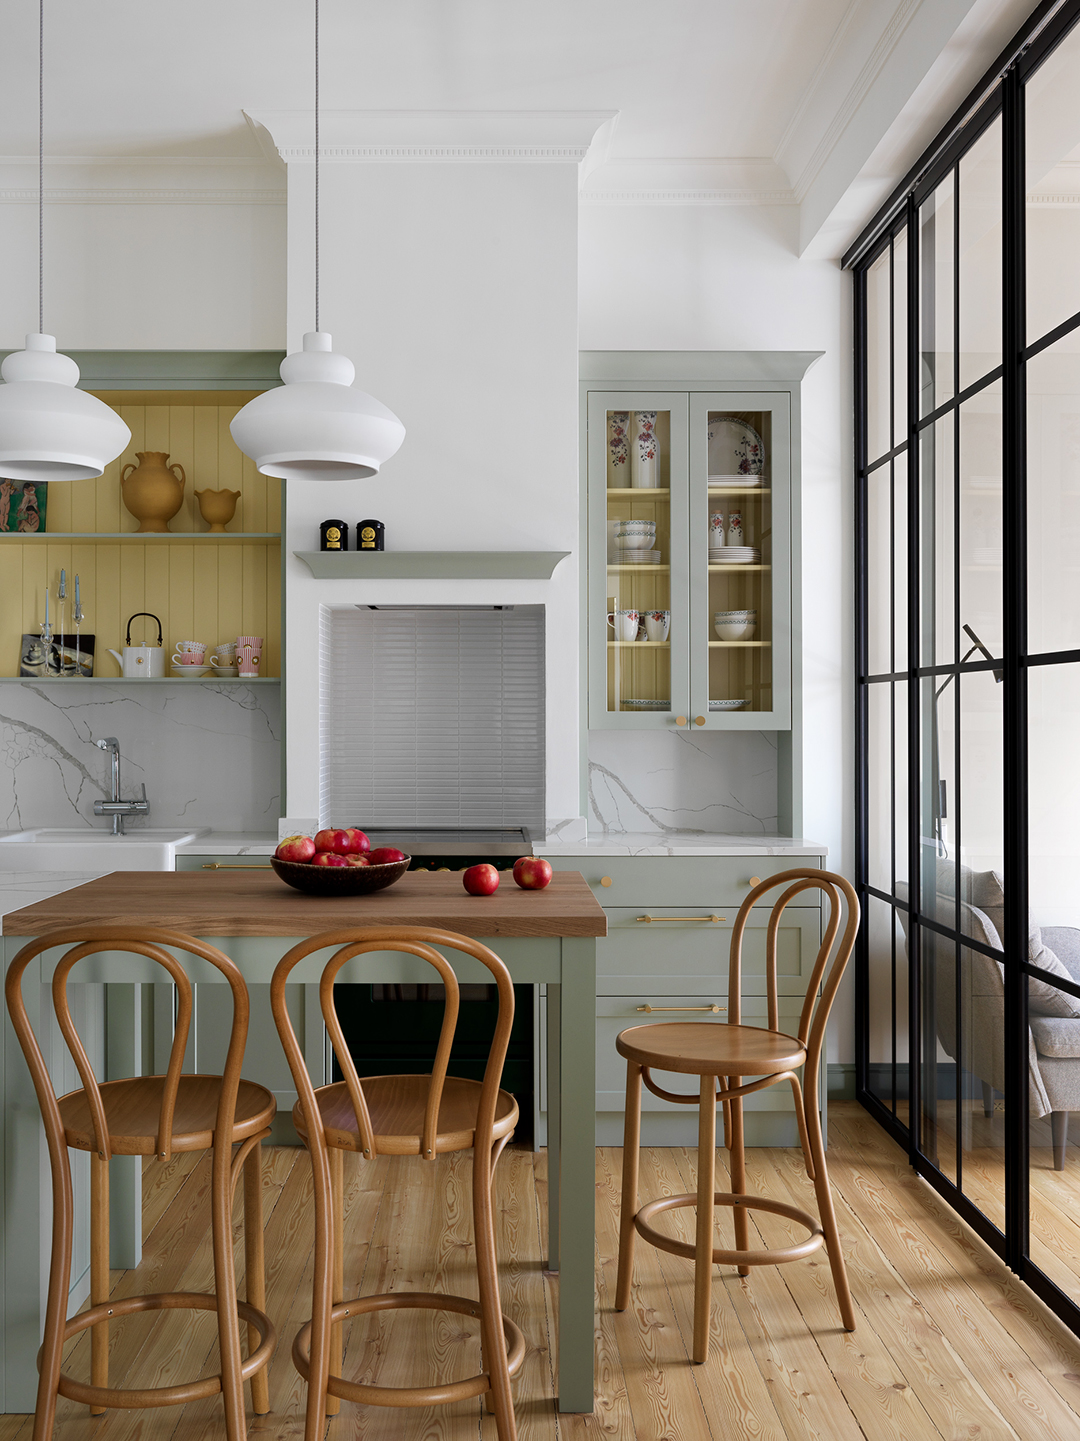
{"x": 151, "y": 942}
{"x": 414, "y": 941}
{"x": 814, "y": 1016}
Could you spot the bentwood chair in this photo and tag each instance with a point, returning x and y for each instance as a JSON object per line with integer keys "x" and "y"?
{"x": 149, "y": 1116}
{"x": 425, "y": 1116}
{"x": 721, "y": 1054}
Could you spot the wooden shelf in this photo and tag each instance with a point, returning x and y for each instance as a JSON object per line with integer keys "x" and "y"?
{"x": 737, "y": 644}
{"x": 431, "y": 564}
{"x": 640, "y": 492}
{"x": 110, "y": 537}
{"x": 643, "y": 644}
{"x": 145, "y": 680}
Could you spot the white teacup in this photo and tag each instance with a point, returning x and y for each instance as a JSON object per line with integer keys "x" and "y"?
{"x": 625, "y": 623}
{"x": 657, "y": 624}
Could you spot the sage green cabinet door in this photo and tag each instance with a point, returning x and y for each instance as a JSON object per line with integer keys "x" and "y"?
{"x": 739, "y": 539}
{"x": 681, "y": 950}
{"x": 637, "y": 486}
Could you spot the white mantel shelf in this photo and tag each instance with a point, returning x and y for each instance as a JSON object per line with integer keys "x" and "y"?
{"x": 431, "y": 564}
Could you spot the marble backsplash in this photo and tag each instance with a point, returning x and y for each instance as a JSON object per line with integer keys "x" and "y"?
{"x": 208, "y": 754}
{"x": 680, "y": 781}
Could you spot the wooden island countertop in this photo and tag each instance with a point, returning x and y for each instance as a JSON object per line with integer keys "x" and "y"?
{"x": 257, "y": 903}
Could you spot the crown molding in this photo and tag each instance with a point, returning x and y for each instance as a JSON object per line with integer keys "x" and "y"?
{"x": 431, "y": 137}
{"x": 693, "y": 182}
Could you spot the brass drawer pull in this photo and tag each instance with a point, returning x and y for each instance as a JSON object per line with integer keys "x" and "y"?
{"x": 605, "y": 880}
{"x": 714, "y": 1009}
{"x": 649, "y": 919}
{"x": 216, "y": 866}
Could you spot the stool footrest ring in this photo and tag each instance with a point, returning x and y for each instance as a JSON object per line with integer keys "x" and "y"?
{"x": 179, "y": 1395}
{"x": 721, "y": 1257}
{"x": 408, "y": 1395}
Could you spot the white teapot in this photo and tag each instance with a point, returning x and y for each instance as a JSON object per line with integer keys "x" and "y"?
{"x": 141, "y": 662}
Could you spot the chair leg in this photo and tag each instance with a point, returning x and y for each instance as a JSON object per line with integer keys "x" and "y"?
{"x": 255, "y": 1269}
{"x": 51, "y": 1355}
{"x": 827, "y": 1212}
{"x": 321, "y": 1295}
{"x": 988, "y": 1098}
{"x": 232, "y": 1386}
{"x": 492, "y": 1337}
{"x": 1059, "y": 1129}
{"x": 706, "y": 1189}
{"x": 629, "y": 1203}
{"x": 99, "y": 1271}
{"x": 337, "y": 1332}
{"x": 738, "y": 1175}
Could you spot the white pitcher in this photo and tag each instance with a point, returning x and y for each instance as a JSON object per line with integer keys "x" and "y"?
{"x": 141, "y": 662}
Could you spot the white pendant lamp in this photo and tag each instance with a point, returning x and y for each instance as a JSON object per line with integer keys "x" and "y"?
{"x": 48, "y": 429}
{"x": 316, "y": 426}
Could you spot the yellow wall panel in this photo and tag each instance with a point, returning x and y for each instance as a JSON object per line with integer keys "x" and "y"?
{"x": 181, "y": 452}
{"x": 181, "y": 595}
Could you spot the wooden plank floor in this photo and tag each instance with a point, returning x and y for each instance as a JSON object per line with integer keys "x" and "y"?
{"x": 948, "y": 1345}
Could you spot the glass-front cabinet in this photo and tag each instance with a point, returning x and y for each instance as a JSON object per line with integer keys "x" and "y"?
{"x": 689, "y": 559}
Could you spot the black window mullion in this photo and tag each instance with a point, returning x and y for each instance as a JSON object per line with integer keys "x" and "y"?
{"x": 862, "y": 690}
{"x": 915, "y": 978}
{"x": 1014, "y": 605}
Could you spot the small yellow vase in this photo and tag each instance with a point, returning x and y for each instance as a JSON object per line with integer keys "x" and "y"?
{"x": 151, "y": 490}
{"x": 217, "y": 507}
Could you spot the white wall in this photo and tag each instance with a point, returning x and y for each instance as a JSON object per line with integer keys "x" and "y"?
{"x": 671, "y": 277}
{"x": 146, "y": 257}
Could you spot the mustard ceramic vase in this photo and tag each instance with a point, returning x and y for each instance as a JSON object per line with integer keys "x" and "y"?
{"x": 217, "y": 507}
{"x": 151, "y": 490}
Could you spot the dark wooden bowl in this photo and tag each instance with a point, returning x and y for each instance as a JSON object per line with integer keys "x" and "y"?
{"x": 339, "y": 880}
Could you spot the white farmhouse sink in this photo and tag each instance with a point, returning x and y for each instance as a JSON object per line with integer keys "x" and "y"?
{"x": 49, "y": 849}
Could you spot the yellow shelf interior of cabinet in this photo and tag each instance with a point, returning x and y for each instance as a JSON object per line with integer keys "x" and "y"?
{"x": 200, "y": 591}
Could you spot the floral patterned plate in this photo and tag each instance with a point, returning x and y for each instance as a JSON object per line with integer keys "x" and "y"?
{"x": 735, "y": 450}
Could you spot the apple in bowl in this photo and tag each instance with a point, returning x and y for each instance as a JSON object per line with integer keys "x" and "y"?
{"x": 296, "y": 848}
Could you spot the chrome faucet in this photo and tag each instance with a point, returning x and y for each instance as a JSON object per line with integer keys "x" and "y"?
{"x": 114, "y": 806}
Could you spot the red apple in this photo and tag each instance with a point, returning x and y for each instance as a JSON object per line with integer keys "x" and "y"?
{"x": 329, "y": 858}
{"x": 337, "y": 841}
{"x": 482, "y": 880}
{"x": 532, "y": 873}
{"x": 295, "y": 848}
{"x": 360, "y": 842}
{"x": 385, "y": 855}
{"x": 357, "y": 861}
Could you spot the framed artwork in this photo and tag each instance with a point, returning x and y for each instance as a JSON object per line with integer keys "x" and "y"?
{"x": 22, "y": 505}
{"x": 66, "y": 655}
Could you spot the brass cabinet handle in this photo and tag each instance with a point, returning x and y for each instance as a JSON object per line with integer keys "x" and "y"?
{"x": 714, "y": 1009}
{"x": 649, "y": 919}
{"x": 216, "y": 866}
{"x": 605, "y": 880}
{"x": 680, "y": 720}
{"x": 699, "y": 720}
{"x": 755, "y": 881}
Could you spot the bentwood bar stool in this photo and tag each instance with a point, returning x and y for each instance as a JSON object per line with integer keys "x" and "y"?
{"x": 149, "y": 1116}
{"x": 425, "y": 1116}
{"x": 721, "y": 1054}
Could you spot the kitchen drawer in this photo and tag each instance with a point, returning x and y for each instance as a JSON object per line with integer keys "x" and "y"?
{"x": 619, "y": 1013}
{"x": 712, "y": 881}
{"x": 222, "y": 863}
{"x": 672, "y": 956}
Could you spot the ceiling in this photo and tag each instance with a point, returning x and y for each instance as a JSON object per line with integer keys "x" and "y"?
{"x": 801, "y": 94}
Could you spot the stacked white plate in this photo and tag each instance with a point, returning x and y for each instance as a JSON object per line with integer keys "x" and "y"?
{"x": 726, "y": 482}
{"x": 734, "y": 555}
{"x": 638, "y": 557}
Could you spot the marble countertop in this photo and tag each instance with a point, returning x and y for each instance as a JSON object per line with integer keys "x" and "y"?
{"x": 681, "y": 843}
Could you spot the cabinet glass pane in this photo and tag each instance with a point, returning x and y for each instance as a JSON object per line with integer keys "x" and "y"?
{"x": 638, "y": 451}
{"x": 737, "y": 525}
{"x": 1052, "y": 130}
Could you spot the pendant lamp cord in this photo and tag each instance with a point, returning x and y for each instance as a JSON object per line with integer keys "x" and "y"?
{"x": 41, "y": 167}
{"x": 316, "y": 163}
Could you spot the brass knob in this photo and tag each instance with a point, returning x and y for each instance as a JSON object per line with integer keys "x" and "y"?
{"x": 680, "y": 720}
{"x": 605, "y": 880}
{"x": 755, "y": 881}
{"x": 699, "y": 720}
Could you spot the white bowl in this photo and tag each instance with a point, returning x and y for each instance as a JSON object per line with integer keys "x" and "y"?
{"x": 735, "y": 630}
{"x": 733, "y": 615}
{"x": 641, "y": 540}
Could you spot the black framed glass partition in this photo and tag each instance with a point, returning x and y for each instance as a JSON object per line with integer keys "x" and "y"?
{"x": 967, "y": 343}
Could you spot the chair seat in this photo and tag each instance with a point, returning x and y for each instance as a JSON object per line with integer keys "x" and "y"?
{"x": 711, "y": 1048}
{"x": 132, "y": 1109}
{"x": 396, "y": 1106}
